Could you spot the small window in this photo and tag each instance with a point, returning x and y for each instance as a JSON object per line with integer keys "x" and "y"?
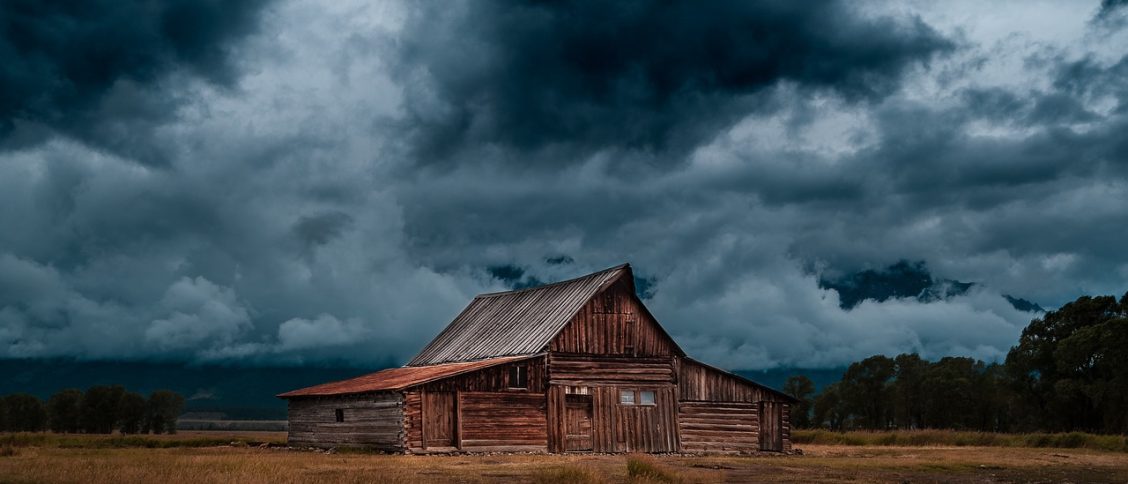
{"x": 627, "y": 397}
{"x": 340, "y": 415}
{"x": 646, "y": 397}
{"x": 518, "y": 377}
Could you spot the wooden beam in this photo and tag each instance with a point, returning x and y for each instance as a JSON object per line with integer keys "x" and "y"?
{"x": 458, "y": 419}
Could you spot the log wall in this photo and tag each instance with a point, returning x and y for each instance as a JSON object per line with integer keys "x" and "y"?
{"x": 373, "y": 420}
{"x": 719, "y": 412}
{"x": 731, "y": 427}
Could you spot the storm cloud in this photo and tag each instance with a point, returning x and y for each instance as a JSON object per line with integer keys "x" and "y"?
{"x": 305, "y": 183}
{"x": 656, "y": 77}
{"x": 100, "y": 70}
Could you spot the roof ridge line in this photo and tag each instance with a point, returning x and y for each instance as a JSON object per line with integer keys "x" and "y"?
{"x": 551, "y": 284}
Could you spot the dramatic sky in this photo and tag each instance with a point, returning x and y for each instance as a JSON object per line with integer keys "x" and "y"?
{"x": 299, "y": 182}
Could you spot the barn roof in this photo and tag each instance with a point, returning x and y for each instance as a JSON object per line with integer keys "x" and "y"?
{"x": 519, "y": 322}
{"x": 398, "y": 378}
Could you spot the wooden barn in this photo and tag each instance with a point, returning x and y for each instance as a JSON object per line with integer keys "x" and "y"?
{"x": 575, "y": 366}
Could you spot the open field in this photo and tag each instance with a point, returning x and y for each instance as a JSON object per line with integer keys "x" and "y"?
{"x": 23, "y": 460}
{"x": 1071, "y": 440}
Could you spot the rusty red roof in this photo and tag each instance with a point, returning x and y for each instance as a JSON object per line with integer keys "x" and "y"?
{"x": 398, "y": 378}
{"x": 519, "y": 322}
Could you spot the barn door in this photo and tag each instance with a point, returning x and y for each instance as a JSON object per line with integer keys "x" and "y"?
{"x": 439, "y": 419}
{"x": 771, "y": 426}
{"x": 577, "y": 422}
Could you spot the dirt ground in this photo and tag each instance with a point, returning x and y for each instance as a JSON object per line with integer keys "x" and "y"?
{"x": 819, "y": 463}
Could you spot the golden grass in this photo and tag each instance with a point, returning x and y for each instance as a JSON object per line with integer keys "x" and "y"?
{"x": 116, "y": 441}
{"x": 820, "y": 463}
{"x": 645, "y": 469}
{"x": 567, "y": 474}
{"x": 1071, "y": 440}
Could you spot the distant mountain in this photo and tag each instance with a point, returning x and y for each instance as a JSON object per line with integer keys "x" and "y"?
{"x": 776, "y": 377}
{"x": 904, "y": 280}
{"x": 1024, "y": 305}
{"x": 235, "y": 392}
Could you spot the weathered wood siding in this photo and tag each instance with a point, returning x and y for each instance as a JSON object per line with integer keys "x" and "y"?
{"x": 487, "y": 412}
{"x": 613, "y": 322}
{"x": 698, "y": 382}
{"x": 718, "y": 412}
{"x": 503, "y": 421}
{"x": 731, "y": 427}
{"x": 373, "y": 420}
{"x": 616, "y": 427}
{"x": 493, "y": 379}
{"x": 582, "y": 370}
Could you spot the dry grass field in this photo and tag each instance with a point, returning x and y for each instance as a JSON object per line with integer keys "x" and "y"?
{"x": 256, "y": 457}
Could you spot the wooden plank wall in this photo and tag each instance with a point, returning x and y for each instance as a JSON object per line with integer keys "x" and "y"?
{"x": 731, "y": 427}
{"x": 707, "y": 396}
{"x": 700, "y": 383}
{"x": 580, "y": 370}
{"x": 372, "y": 420}
{"x": 493, "y": 379}
{"x": 413, "y": 419}
{"x": 493, "y": 421}
{"x": 616, "y": 427}
{"x": 519, "y": 412}
{"x": 644, "y": 428}
{"x": 613, "y": 323}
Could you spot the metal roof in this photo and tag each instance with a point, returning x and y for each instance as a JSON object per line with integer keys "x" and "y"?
{"x": 398, "y": 378}
{"x": 519, "y": 322}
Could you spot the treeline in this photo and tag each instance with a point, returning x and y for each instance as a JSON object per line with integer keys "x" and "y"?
{"x": 1068, "y": 372}
{"x": 99, "y": 410}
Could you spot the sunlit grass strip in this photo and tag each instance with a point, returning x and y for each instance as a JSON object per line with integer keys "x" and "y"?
{"x": 1071, "y": 440}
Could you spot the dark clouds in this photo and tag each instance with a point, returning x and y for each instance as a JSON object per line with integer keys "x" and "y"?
{"x": 654, "y": 77}
{"x": 84, "y": 68}
{"x": 340, "y": 178}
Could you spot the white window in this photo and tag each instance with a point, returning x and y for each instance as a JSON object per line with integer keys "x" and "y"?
{"x": 646, "y": 397}
{"x": 626, "y": 397}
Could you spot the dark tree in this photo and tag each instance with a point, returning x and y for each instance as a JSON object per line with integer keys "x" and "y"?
{"x": 1069, "y": 368}
{"x": 801, "y": 388}
{"x": 131, "y": 413}
{"x": 829, "y": 408}
{"x": 865, "y": 391}
{"x": 908, "y": 402}
{"x": 25, "y": 413}
{"x": 994, "y": 412}
{"x": 64, "y": 411}
{"x": 162, "y": 410}
{"x": 100, "y": 408}
{"x": 949, "y": 392}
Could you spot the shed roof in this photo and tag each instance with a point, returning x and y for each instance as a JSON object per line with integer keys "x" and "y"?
{"x": 398, "y": 378}
{"x": 519, "y": 322}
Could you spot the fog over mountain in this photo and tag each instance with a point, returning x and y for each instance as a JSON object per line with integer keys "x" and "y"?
{"x": 292, "y": 182}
